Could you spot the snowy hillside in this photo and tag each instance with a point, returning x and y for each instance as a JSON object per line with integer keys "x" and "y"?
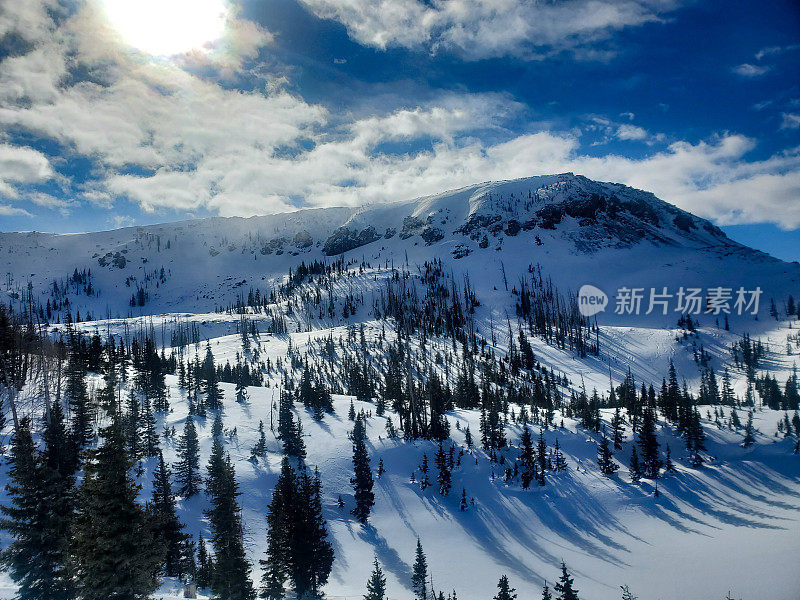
{"x": 579, "y": 231}
{"x": 423, "y": 320}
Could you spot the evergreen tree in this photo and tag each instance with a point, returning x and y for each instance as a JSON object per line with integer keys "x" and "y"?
{"x": 211, "y": 382}
{"x": 468, "y": 437}
{"x": 635, "y": 469}
{"x": 445, "y": 477}
{"x": 648, "y": 442}
{"x": 169, "y": 526}
{"x": 618, "y": 429}
{"x": 80, "y": 409}
{"x": 376, "y": 584}
{"x": 132, "y": 425}
{"x": 187, "y": 470}
{"x": 504, "y": 590}
{"x": 149, "y": 434}
{"x": 749, "y": 431}
{"x": 230, "y": 577}
{"x": 362, "y": 480}
{"x": 35, "y": 560}
{"x": 541, "y": 455}
{"x": 419, "y": 575}
{"x": 669, "y": 466}
{"x": 564, "y": 585}
{"x": 605, "y": 458}
{"x": 204, "y": 566}
{"x": 260, "y": 449}
{"x": 297, "y": 539}
{"x": 527, "y": 458}
{"x": 276, "y": 565}
{"x": 116, "y": 552}
{"x": 546, "y": 595}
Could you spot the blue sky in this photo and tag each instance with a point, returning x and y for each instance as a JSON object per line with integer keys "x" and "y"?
{"x": 319, "y": 103}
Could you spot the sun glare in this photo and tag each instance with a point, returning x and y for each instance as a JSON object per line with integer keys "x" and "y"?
{"x": 167, "y": 27}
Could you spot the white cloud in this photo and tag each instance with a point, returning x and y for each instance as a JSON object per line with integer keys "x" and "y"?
{"x": 790, "y": 121}
{"x": 631, "y": 132}
{"x": 20, "y": 165}
{"x": 748, "y": 70}
{"x": 169, "y": 140}
{"x": 10, "y": 211}
{"x": 490, "y": 28}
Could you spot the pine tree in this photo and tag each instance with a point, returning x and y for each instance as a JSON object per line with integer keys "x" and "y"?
{"x": 169, "y": 526}
{"x": 132, "y": 422}
{"x": 541, "y": 455}
{"x": 468, "y": 438}
{"x": 463, "y": 505}
{"x": 749, "y": 431}
{"x": 527, "y": 458}
{"x": 635, "y": 469}
{"x": 419, "y": 575}
{"x": 276, "y": 565}
{"x": 230, "y": 577}
{"x": 648, "y": 442}
{"x": 618, "y": 429}
{"x": 504, "y": 590}
{"x": 546, "y": 595}
{"x": 362, "y": 480}
{"x": 564, "y": 585}
{"x": 669, "y": 466}
{"x": 312, "y": 553}
{"x": 35, "y": 560}
{"x": 376, "y": 584}
{"x": 187, "y": 470}
{"x": 211, "y": 382}
{"x": 260, "y": 449}
{"x": 297, "y": 538}
{"x": 445, "y": 477}
{"x": 80, "y": 409}
{"x": 115, "y": 549}
{"x": 149, "y": 434}
{"x": 605, "y": 458}
{"x": 559, "y": 462}
{"x": 204, "y": 566}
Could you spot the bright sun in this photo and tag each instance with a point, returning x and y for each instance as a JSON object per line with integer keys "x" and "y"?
{"x": 167, "y": 27}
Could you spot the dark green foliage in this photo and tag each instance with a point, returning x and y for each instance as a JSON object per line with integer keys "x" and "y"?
{"x": 605, "y": 458}
{"x": 362, "y": 477}
{"x": 564, "y": 585}
{"x": 376, "y": 584}
{"x": 419, "y": 575}
{"x": 169, "y": 528}
{"x": 230, "y": 576}
{"x": 445, "y": 477}
{"x": 115, "y": 550}
{"x": 648, "y": 443}
{"x": 37, "y": 519}
{"x": 187, "y": 470}
{"x": 504, "y": 590}
{"x": 298, "y": 549}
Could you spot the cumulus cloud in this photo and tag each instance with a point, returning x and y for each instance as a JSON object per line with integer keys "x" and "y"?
{"x": 489, "y": 28}
{"x": 169, "y": 140}
{"x": 631, "y": 132}
{"x": 20, "y": 165}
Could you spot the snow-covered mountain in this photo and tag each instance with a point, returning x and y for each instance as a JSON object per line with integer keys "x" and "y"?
{"x": 729, "y": 525}
{"x": 578, "y": 230}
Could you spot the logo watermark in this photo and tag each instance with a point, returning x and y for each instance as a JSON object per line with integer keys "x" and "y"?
{"x": 685, "y": 300}
{"x": 591, "y": 300}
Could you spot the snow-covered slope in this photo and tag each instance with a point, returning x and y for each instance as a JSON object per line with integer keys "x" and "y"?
{"x": 579, "y": 231}
{"x": 731, "y": 525}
